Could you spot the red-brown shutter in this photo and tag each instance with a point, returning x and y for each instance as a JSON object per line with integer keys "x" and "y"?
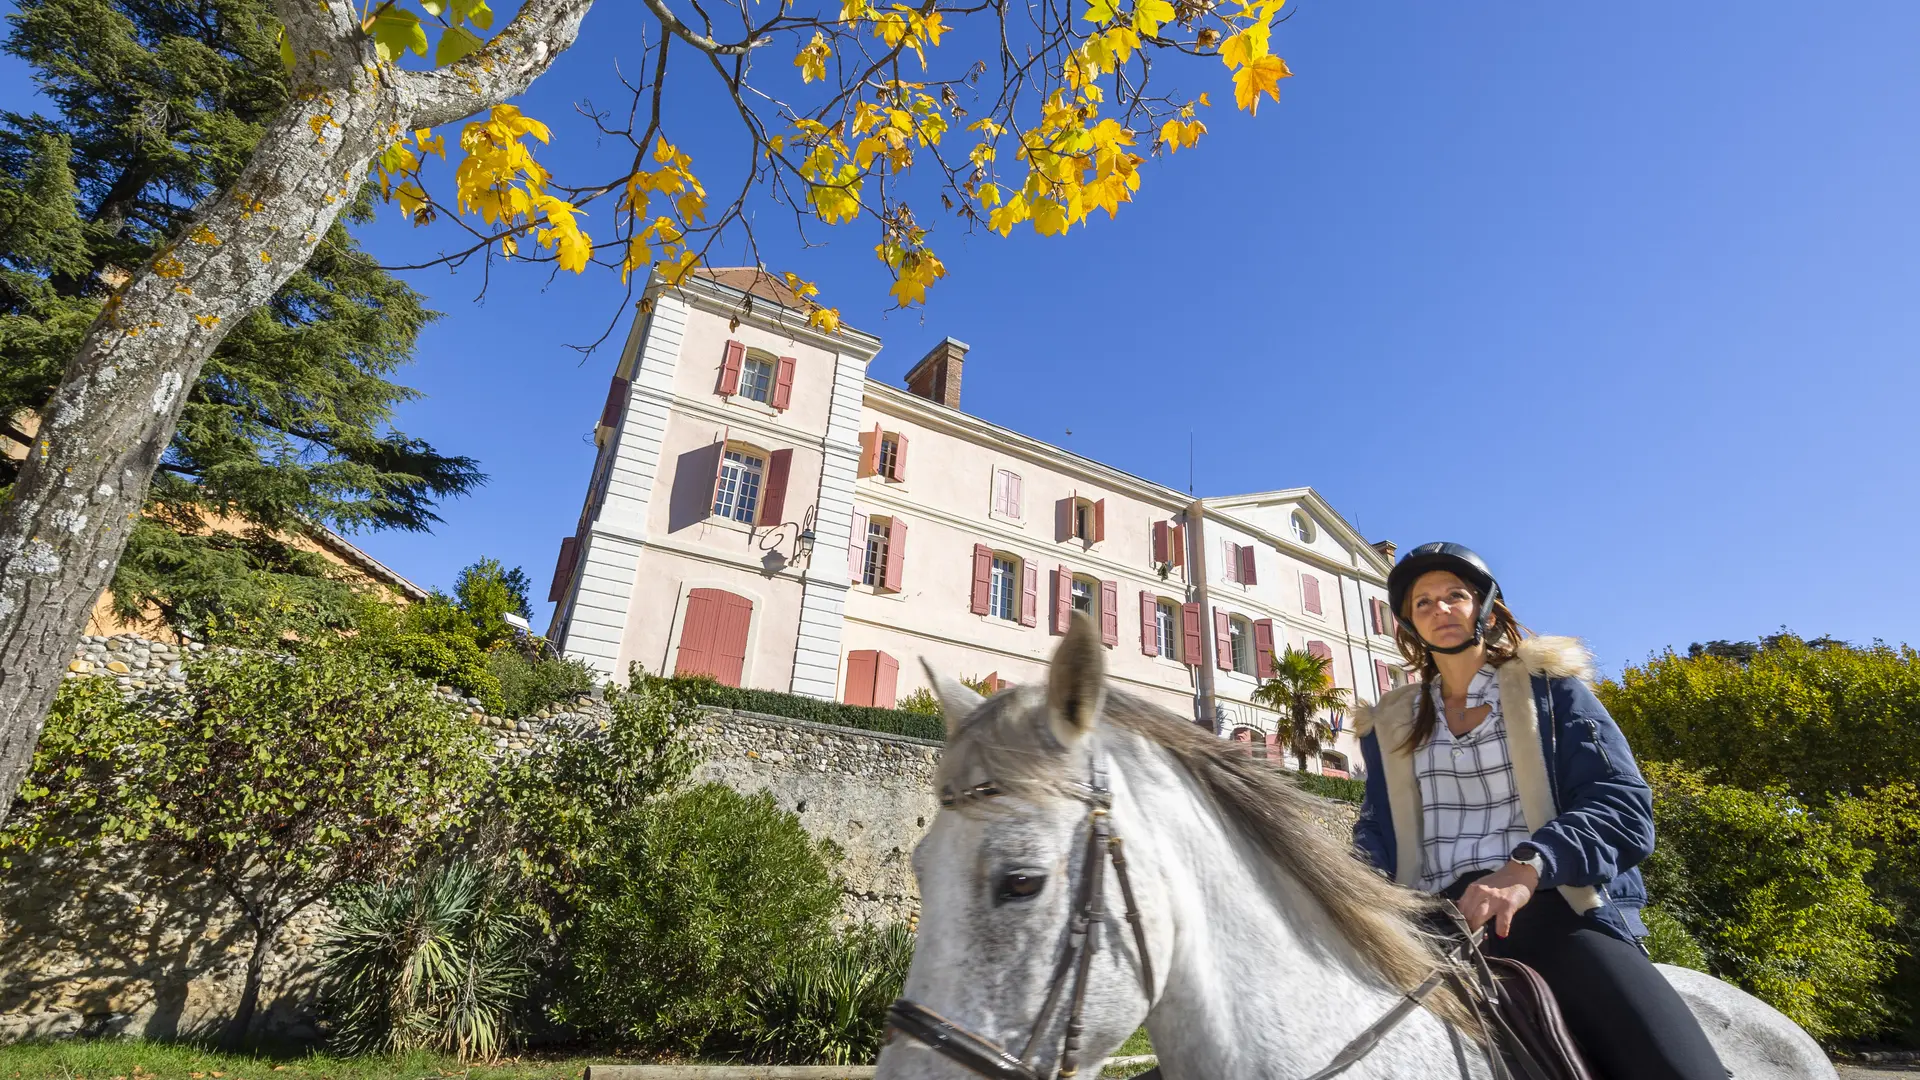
{"x": 1190, "y": 634}
{"x": 616, "y": 402}
{"x": 730, "y": 644}
{"x": 1099, "y": 520}
{"x": 896, "y": 553}
{"x": 1109, "y": 613}
{"x": 783, "y": 383}
{"x": 698, "y": 632}
{"x": 1062, "y": 600}
{"x": 1322, "y": 650}
{"x": 730, "y": 368}
{"x": 1030, "y": 596}
{"x": 1382, "y": 676}
{"x": 1310, "y": 593}
{"x": 899, "y": 457}
{"x": 1222, "y": 640}
{"x": 886, "y": 681}
{"x": 857, "y": 548}
{"x": 1162, "y": 540}
{"x": 870, "y": 451}
{"x": 1063, "y": 520}
{"x": 563, "y": 569}
{"x": 1263, "y": 648}
{"x": 861, "y": 664}
{"x": 1179, "y": 545}
{"x": 1149, "y": 624}
{"x": 1247, "y": 576}
{"x": 773, "y": 505}
{"x": 982, "y": 578}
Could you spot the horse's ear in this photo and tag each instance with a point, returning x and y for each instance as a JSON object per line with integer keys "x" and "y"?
{"x": 957, "y": 699}
{"x": 1076, "y": 682}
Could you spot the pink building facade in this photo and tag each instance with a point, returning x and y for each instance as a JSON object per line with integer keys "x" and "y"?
{"x": 762, "y": 512}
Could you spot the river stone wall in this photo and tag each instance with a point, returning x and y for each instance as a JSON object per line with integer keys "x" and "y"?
{"x": 132, "y": 943}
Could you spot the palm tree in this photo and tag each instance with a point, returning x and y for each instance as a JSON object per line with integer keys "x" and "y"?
{"x": 1300, "y": 690}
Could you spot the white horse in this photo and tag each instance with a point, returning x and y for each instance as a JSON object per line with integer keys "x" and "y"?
{"x": 1269, "y": 946}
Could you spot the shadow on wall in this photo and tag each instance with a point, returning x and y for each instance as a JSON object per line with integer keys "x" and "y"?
{"x": 137, "y": 945}
{"x": 693, "y": 479}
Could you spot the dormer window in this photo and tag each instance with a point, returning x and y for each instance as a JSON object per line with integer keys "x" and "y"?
{"x": 1302, "y": 527}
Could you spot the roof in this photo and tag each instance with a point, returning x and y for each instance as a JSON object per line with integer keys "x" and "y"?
{"x": 363, "y": 562}
{"x": 755, "y": 281}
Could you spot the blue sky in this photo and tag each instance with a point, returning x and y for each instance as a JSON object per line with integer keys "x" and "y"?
{"x": 1621, "y": 296}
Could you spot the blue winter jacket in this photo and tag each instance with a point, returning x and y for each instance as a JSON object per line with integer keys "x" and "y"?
{"x": 1590, "y": 812}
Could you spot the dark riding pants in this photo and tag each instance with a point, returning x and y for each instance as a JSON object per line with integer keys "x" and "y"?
{"x": 1628, "y": 1019}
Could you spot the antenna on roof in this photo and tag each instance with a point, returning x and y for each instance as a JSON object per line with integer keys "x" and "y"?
{"x": 1189, "y": 462}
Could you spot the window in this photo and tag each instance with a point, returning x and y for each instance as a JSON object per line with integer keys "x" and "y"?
{"x": 872, "y": 678}
{"x": 1302, "y": 527}
{"x": 1310, "y": 594}
{"x": 1007, "y": 492}
{"x": 738, "y": 494}
{"x": 875, "y": 570}
{"x": 1166, "y": 629}
{"x": 1081, "y": 519}
{"x": 1002, "y": 602}
{"x": 1240, "y": 637}
{"x": 889, "y": 455}
{"x": 756, "y": 379}
{"x": 1084, "y": 592}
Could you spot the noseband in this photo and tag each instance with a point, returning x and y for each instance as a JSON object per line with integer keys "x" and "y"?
{"x": 988, "y": 1058}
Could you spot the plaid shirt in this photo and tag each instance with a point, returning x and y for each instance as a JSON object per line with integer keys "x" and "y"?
{"x": 1469, "y": 808}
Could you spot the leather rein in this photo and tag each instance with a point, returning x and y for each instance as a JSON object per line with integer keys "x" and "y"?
{"x": 987, "y": 1058}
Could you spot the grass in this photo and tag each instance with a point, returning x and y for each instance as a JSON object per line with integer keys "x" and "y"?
{"x": 125, "y": 1059}
{"x": 1135, "y": 1045}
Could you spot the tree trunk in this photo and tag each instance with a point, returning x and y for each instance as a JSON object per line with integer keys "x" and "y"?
{"x": 238, "y": 1028}
{"x": 86, "y": 475}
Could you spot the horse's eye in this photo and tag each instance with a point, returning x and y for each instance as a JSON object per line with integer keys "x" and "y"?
{"x": 1020, "y": 885}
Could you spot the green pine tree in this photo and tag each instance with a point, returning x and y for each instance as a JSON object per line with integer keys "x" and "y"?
{"x": 157, "y": 104}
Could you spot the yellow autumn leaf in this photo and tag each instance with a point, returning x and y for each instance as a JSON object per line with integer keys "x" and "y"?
{"x": 1102, "y": 11}
{"x": 1244, "y": 47}
{"x": 639, "y": 254}
{"x": 455, "y": 44}
{"x": 396, "y": 30}
{"x": 675, "y": 268}
{"x": 474, "y": 11}
{"x": 1049, "y": 218}
{"x": 1262, "y": 75}
{"x": 825, "y": 319}
{"x": 812, "y": 60}
{"x": 1148, "y": 15}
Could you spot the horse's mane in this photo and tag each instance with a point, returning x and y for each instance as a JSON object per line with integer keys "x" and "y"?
{"x": 1009, "y": 740}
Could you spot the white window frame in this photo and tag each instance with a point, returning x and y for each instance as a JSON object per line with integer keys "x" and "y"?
{"x": 1166, "y": 628}
{"x": 750, "y": 364}
{"x": 740, "y": 470}
{"x": 1300, "y": 524}
{"x": 874, "y": 556}
{"x": 1240, "y": 640}
{"x": 1093, "y": 596}
{"x": 1003, "y": 588}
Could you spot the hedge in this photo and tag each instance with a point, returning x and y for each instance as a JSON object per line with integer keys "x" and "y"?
{"x": 1333, "y": 787}
{"x": 705, "y": 691}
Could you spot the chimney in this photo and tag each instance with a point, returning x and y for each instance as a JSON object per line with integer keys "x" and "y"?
{"x": 1385, "y": 548}
{"x": 937, "y": 376}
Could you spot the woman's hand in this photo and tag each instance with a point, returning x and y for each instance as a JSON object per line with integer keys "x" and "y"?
{"x": 1497, "y": 896}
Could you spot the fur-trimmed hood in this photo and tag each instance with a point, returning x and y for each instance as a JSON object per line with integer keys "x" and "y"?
{"x": 1554, "y": 657}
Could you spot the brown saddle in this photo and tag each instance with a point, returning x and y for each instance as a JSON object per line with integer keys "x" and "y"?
{"x": 1527, "y": 1019}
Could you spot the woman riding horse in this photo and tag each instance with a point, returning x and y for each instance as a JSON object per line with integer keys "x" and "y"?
{"x": 1500, "y": 781}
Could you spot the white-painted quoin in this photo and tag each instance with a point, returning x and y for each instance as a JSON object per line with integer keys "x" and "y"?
{"x": 763, "y": 512}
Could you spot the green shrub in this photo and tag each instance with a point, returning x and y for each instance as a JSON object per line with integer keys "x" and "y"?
{"x": 829, "y": 1006}
{"x": 448, "y": 660}
{"x": 686, "y": 909}
{"x": 1333, "y": 787}
{"x": 431, "y": 963}
{"x": 529, "y": 684}
{"x": 705, "y": 691}
{"x": 1775, "y": 896}
{"x": 1669, "y": 943}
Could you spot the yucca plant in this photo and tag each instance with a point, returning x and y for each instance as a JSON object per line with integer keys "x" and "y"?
{"x": 428, "y": 963}
{"x": 829, "y": 1006}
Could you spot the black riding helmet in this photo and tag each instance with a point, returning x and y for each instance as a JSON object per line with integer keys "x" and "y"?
{"x": 1457, "y": 558}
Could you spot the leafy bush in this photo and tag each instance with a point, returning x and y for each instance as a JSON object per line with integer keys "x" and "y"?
{"x": 529, "y": 684}
{"x": 1775, "y": 896}
{"x": 1669, "y": 943}
{"x": 447, "y": 659}
{"x": 1333, "y": 787}
{"x": 688, "y": 907}
{"x": 829, "y": 1006}
{"x": 432, "y": 963}
{"x": 706, "y": 691}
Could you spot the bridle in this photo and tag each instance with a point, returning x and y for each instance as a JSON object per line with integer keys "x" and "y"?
{"x": 987, "y": 1058}
{"x": 981, "y": 1054}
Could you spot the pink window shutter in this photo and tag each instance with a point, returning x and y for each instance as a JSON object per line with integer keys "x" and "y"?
{"x": 982, "y": 578}
{"x": 1230, "y": 560}
{"x": 1030, "y": 596}
{"x": 870, "y": 451}
{"x": 1222, "y": 640}
{"x": 783, "y": 383}
{"x": 1322, "y": 650}
{"x": 896, "y": 553}
{"x": 886, "y": 680}
{"x": 773, "y": 506}
{"x": 1109, "y": 613}
{"x": 730, "y": 368}
{"x": 899, "y": 457}
{"x": 1062, "y": 600}
{"x": 1310, "y": 593}
{"x": 1099, "y": 520}
{"x": 1179, "y": 545}
{"x": 1149, "y": 624}
{"x": 563, "y": 568}
{"x": 1063, "y": 520}
{"x": 1263, "y": 648}
{"x": 697, "y": 632}
{"x": 1382, "y": 677}
{"x": 1016, "y": 494}
{"x": 857, "y": 548}
{"x": 730, "y": 648}
{"x": 1000, "y": 491}
{"x": 1162, "y": 540}
{"x": 1247, "y": 575}
{"x": 1190, "y": 634}
{"x": 616, "y": 402}
{"x": 860, "y": 668}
